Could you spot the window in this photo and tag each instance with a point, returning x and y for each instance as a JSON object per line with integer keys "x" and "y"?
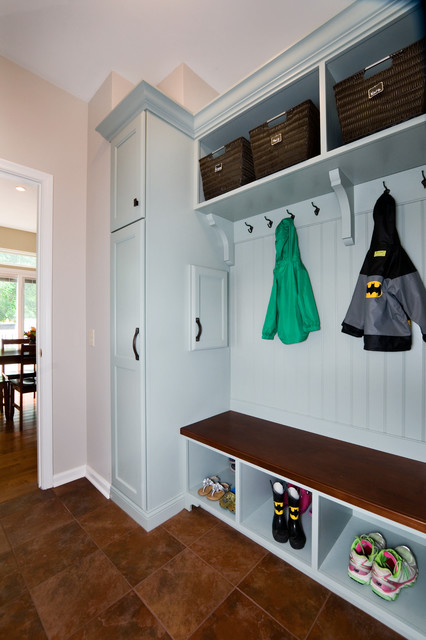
{"x": 18, "y": 302}
{"x": 17, "y": 259}
{"x": 8, "y": 306}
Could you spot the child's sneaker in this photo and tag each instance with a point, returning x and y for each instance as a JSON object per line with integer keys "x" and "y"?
{"x": 393, "y": 569}
{"x": 363, "y": 552}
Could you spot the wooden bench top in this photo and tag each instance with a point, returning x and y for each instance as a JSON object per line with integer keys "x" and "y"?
{"x": 385, "y": 484}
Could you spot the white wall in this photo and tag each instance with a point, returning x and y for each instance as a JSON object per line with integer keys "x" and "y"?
{"x": 45, "y": 128}
{"x": 98, "y": 283}
{"x": 329, "y": 384}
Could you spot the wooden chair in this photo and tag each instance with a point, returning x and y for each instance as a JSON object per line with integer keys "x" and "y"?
{"x": 3, "y": 383}
{"x": 23, "y": 382}
{"x": 9, "y": 342}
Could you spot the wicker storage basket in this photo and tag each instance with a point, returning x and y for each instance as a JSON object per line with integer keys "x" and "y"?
{"x": 228, "y": 170}
{"x": 366, "y": 105}
{"x": 287, "y": 143}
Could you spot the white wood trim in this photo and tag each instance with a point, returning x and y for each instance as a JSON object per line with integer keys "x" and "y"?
{"x": 98, "y": 481}
{"x": 44, "y": 314}
{"x": 145, "y": 97}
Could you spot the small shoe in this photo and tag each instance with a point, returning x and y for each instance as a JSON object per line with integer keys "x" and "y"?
{"x": 393, "y": 569}
{"x": 364, "y": 550}
{"x": 228, "y": 501}
{"x": 218, "y": 490}
{"x": 207, "y": 485}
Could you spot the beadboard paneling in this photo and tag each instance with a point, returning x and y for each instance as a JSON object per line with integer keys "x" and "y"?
{"x": 329, "y": 383}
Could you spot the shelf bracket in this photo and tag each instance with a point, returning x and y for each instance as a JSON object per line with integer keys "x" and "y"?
{"x": 225, "y": 231}
{"x": 344, "y": 190}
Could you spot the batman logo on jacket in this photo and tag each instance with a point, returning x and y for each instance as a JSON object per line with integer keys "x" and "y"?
{"x": 374, "y": 289}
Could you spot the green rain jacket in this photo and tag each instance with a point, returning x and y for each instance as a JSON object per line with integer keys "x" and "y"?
{"x": 292, "y": 312}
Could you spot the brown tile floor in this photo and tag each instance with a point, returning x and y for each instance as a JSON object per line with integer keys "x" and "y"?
{"x": 73, "y": 565}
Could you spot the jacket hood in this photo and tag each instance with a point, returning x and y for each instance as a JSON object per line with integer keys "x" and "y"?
{"x": 286, "y": 243}
{"x": 384, "y": 216}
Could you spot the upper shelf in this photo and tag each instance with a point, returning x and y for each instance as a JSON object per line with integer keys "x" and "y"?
{"x": 389, "y": 151}
{"x": 309, "y": 70}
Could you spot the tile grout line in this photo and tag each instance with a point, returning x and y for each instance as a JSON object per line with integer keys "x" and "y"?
{"x": 321, "y": 609}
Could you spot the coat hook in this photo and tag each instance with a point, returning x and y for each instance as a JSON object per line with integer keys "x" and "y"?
{"x": 291, "y": 214}
{"x": 270, "y": 223}
{"x": 316, "y": 209}
{"x": 385, "y": 187}
{"x": 250, "y": 228}
{"x": 424, "y": 179}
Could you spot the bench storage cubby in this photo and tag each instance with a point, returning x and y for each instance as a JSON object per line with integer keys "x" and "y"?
{"x": 354, "y": 489}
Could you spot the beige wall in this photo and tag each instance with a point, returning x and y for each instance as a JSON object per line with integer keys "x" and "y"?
{"x": 98, "y": 280}
{"x": 45, "y": 128}
{"x": 17, "y": 240}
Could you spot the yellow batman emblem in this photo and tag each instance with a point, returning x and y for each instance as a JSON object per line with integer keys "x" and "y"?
{"x": 374, "y": 289}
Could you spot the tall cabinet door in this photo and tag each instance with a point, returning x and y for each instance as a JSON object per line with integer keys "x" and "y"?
{"x": 128, "y": 174}
{"x": 128, "y": 361}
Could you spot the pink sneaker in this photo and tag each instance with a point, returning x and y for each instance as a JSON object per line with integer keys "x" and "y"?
{"x": 393, "y": 569}
{"x": 363, "y": 552}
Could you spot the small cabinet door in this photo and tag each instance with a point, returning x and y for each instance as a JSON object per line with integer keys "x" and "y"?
{"x": 128, "y": 174}
{"x": 128, "y": 361}
{"x": 209, "y": 308}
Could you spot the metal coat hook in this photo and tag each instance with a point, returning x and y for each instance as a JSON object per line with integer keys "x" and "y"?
{"x": 385, "y": 187}
{"x": 250, "y": 228}
{"x": 290, "y": 214}
{"x": 424, "y": 179}
{"x": 270, "y": 223}
{"x": 316, "y": 209}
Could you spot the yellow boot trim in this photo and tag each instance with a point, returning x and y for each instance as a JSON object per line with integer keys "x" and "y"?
{"x": 294, "y": 513}
{"x": 278, "y": 511}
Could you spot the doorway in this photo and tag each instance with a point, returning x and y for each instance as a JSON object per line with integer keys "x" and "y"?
{"x": 44, "y": 183}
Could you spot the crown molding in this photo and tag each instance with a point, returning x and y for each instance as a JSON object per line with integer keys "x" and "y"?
{"x": 146, "y": 97}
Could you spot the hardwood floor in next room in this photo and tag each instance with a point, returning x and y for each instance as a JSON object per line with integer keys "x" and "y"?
{"x": 18, "y": 452}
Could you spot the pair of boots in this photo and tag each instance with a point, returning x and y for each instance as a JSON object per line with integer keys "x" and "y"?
{"x": 280, "y": 530}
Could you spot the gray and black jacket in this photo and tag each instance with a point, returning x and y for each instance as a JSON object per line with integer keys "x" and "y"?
{"x": 389, "y": 292}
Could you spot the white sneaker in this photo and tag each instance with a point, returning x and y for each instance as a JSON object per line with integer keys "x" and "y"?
{"x": 393, "y": 569}
{"x": 363, "y": 552}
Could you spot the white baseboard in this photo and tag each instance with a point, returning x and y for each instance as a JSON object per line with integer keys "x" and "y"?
{"x": 98, "y": 482}
{"x": 84, "y": 471}
{"x": 149, "y": 520}
{"x": 69, "y": 476}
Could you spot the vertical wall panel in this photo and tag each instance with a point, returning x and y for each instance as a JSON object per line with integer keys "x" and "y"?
{"x": 329, "y": 382}
{"x": 358, "y": 361}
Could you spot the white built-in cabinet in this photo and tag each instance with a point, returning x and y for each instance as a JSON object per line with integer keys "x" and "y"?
{"x": 128, "y": 312}
{"x": 157, "y": 381}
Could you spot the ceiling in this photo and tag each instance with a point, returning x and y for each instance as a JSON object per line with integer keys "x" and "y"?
{"x": 18, "y": 209}
{"x": 75, "y": 44}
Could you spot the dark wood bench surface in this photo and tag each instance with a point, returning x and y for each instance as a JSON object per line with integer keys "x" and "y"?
{"x": 388, "y": 485}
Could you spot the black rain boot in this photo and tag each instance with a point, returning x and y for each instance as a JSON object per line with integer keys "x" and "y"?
{"x": 279, "y": 524}
{"x": 296, "y": 533}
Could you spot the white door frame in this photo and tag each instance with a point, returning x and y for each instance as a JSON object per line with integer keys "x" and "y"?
{"x": 44, "y": 314}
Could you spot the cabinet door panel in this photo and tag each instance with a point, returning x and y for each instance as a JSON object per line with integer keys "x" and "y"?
{"x": 209, "y": 308}
{"x": 127, "y": 174}
{"x": 128, "y": 361}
